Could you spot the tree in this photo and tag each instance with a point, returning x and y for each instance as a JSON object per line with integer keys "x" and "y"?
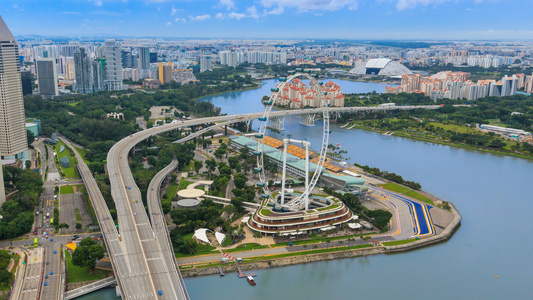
{"x": 30, "y": 137}
{"x": 198, "y": 165}
{"x": 5, "y": 277}
{"x": 87, "y": 253}
{"x": 64, "y": 225}
{"x": 78, "y": 226}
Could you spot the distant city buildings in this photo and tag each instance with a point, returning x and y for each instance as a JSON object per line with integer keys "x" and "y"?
{"x": 455, "y": 85}
{"x": 47, "y": 77}
{"x": 165, "y": 72}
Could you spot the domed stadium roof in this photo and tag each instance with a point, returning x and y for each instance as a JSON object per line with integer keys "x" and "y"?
{"x": 382, "y": 67}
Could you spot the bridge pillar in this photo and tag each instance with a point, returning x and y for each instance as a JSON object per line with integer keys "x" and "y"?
{"x": 277, "y": 123}
{"x": 308, "y": 120}
{"x": 250, "y": 123}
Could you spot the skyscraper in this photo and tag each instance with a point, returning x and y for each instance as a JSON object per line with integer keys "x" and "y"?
{"x": 144, "y": 58}
{"x": 12, "y": 128}
{"x": 47, "y": 77}
{"x": 84, "y": 72}
{"x": 113, "y": 66}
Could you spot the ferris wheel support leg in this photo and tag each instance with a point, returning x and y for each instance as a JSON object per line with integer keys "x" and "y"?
{"x": 307, "y": 191}
{"x": 285, "y": 143}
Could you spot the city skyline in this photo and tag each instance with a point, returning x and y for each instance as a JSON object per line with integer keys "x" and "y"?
{"x": 271, "y": 19}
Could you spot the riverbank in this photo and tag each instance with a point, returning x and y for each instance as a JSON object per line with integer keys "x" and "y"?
{"x": 441, "y": 142}
{"x": 309, "y": 256}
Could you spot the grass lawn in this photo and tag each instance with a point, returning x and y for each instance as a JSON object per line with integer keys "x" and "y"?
{"x": 74, "y": 103}
{"x": 266, "y": 212}
{"x": 452, "y": 127}
{"x": 78, "y": 216}
{"x": 318, "y": 239}
{"x": 400, "y": 242}
{"x": 226, "y": 242}
{"x": 171, "y": 191}
{"x": 395, "y": 187}
{"x": 418, "y": 196}
{"x": 81, "y": 152}
{"x": 328, "y": 207}
{"x": 309, "y": 252}
{"x": 69, "y": 172}
{"x": 184, "y": 184}
{"x": 246, "y": 247}
{"x": 407, "y": 192}
{"x": 66, "y": 189}
{"x": 77, "y": 274}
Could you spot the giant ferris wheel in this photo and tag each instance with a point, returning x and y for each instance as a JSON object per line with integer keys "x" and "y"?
{"x": 300, "y": 202}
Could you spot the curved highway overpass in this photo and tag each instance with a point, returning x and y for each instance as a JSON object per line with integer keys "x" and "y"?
{"x": 140, "y": 256}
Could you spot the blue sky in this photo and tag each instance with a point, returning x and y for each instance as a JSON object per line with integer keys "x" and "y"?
{"x": 335, "y": 19}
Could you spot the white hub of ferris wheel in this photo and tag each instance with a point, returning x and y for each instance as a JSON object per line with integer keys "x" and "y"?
{"x": 301, "y": 201}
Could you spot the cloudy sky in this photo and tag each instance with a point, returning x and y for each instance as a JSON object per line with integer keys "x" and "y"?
{"x": 335, "y": 19}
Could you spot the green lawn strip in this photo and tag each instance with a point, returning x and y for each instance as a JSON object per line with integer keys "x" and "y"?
{"x": 77, "y": 274}
{"x": 306, "y": 252}
{"x": 184, "y": 184}
{"x": 198, "y": 253}
{"x": 66, "y": 189}
{"x": 246, "y": 247}
{"x": 318, "y": 239}
{"x": 418, "y": 196}
{"x": 74, "y": 103}
{"x": 226, "y": 242}
{"x": 328, "y": 207}
{"x": 453, "y": 127}
{"x": 266, "y": 212}
{"x": 78, "y": 216}
{"x": 81, "y": 152}
{"x": 171, "y": 191}
{"x": 400, "y": 242}
{"x": 69, "y": 172}
{"x": 395, "y": 187}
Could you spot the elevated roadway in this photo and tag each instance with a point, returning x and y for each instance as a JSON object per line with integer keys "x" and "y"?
{"x": 138, "y": 253}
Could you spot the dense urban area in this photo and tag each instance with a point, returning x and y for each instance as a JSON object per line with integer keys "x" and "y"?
{"x": 205, "y": 187}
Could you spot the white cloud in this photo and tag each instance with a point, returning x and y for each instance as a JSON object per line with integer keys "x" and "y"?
{"x": 200, "y": 18}
{"x": 251, "y": 12}
{"x": 174, "y": 11}
{"x": 169, "y": 23}
{"x": 307, "y": 5}
{"x": 228, "y": 4}
{"x": 219, "y": 16}
{"x": 69, "y": 13}
{"x": 15, "y": 5}
{"x": 97, "y": 2}
{"x": 406, "y": 4}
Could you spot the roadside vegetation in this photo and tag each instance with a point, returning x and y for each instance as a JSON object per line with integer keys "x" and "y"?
{"x": 18, "y": 212}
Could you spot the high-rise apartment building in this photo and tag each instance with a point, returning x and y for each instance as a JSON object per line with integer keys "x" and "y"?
{"x": 113, "y": 65}
{"x": 47, "y": 77}
{"x": 165, "y": 72}
{"x": 205, "y": 63}
{"x": 12, "y": 126}
{"x": 84, "y": 72}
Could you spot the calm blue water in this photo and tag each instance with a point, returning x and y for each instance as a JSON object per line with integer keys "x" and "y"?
{"x": 490, "y": 191}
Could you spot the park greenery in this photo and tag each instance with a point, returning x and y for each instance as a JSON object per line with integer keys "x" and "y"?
{"x": 380, "y": 218}
{"x": 87, "y": 253}
{"x": 449, "y": 124}
{"x": 390, "y": 176}
{"x": 17, "y": 212}
{"x": 6, "y": 277}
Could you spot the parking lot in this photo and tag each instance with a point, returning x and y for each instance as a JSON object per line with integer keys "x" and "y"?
{"x": 67, "y": 213}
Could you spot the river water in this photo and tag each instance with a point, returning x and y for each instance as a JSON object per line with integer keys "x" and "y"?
{"x": 491, "y": 192}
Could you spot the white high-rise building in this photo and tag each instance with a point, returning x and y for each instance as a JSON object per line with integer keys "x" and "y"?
{"x": 113, "y": 65}
{"x": 205, "y": 63}
{"x": 12, "y": 125}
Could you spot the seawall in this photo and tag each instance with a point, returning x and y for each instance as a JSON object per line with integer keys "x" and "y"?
{"x": 445, "y": 235}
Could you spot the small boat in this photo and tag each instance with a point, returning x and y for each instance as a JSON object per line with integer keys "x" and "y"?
{"x": 251, "y": 280}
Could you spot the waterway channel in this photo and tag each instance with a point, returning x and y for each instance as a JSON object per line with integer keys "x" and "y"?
{"x": 491, "y": 192}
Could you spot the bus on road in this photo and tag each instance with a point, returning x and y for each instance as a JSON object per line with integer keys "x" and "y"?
{"x": 35, "y": 242}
